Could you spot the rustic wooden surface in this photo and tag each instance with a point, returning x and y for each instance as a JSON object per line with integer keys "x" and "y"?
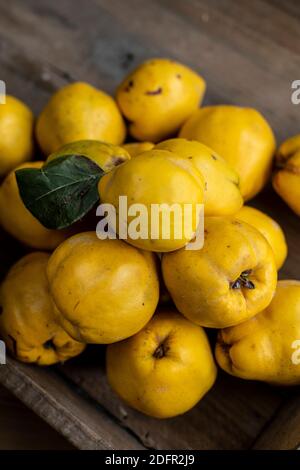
{"x": 83, "y": 423}
{"x": 249, "y": 53}
{"x": 229, "y": 417}
{"x": 22, "y": 429}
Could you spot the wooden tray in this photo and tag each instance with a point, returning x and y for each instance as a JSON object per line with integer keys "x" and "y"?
{"x": 249, "y": 52}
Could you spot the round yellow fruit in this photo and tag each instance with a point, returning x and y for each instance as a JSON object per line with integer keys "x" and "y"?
{"x": 105, "y": 290}
{"x": 158, "y": 97}
{"x": 266, "y": 347}
{"x": 286, "y": 179}
{"x": 16, "y": 131}
{"x": 153, "y": 178}
{"x": 28, "y": 323}
{"x": 77, "y": 112}
{"x": 16, "y": 219}
{"x": 232, "y": 278}
{"x": 241, "y": 136}
{"x": 105, "y": 155}
{"x": 163, "y": 370}
{"x": 135, "y": 148}
{"x": 270, "y": 229}
{"x": 222, "y": 195}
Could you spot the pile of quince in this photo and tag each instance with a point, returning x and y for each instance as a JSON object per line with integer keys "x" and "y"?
{"x": 149, "y": 298}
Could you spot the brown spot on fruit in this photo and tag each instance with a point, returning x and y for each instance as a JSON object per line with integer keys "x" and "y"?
{"x": 117, "y": 160}
{"x": 158, "y": 91}
{"x": 128, "y": 87}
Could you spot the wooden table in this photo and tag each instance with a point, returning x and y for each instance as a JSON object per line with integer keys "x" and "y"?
{"x": 249, "y": 53}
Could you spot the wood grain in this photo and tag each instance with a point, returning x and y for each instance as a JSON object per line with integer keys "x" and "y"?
{"x": 283, "y": 431}
{"x": 229, "y": 417}
{"x": 56, "y": 43}
{"x": 249, "y": 53}
{"x": 83, "y": 424}
{"x": 22, "y": 429}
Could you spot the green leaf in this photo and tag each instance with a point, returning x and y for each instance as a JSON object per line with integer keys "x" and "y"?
{"x": 61, "y": 192}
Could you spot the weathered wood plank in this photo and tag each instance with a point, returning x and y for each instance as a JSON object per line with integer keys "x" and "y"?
{"x": 229, "y": 417}
{"x": 22, "y": 429}
{"x": 83, "y": 424}
{"x": 241, "y": 65}
{"x": 94, "y": 44}
{"x": 282, "y": 432}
